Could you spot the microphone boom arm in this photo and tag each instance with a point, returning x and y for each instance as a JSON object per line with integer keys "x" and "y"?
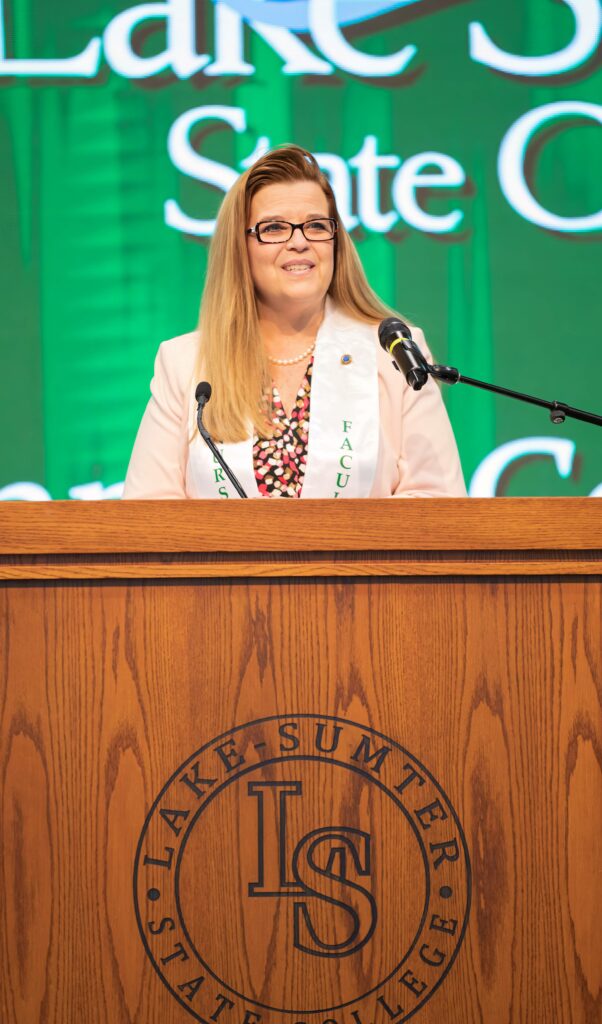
{"x": 558, "y": 410}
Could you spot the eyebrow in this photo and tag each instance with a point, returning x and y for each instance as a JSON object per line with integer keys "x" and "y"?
{"x": 280, "y": 216}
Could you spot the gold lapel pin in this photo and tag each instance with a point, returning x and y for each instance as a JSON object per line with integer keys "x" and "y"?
{"x": 346, "y": 359}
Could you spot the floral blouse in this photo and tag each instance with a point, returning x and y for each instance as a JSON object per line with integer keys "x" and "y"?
{"x": 279, "y": 461}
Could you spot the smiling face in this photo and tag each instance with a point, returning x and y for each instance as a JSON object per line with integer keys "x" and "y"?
{"x": 294, "y": 275}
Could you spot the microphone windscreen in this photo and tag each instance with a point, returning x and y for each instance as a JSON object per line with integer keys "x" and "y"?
{"x": 203, "y": 390}
{"x": 391, "y": 329}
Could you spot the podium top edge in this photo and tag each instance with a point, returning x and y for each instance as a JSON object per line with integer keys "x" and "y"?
{"x": 329, "y": 525}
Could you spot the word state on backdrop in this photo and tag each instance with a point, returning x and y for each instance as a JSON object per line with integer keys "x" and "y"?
{"x": 430, "y": 169}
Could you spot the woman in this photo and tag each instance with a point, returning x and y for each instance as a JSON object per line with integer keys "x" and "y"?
{"x": 304, "y": 401}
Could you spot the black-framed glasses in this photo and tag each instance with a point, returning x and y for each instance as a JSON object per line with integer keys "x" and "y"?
{"x": 318, "y": 229}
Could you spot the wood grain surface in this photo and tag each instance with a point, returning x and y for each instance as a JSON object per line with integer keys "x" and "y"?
{"x": 211, "y": 539}
{"x": 427, "y": 524}
{"x": 299, "y": 564}
{"x": 108, "y": 690}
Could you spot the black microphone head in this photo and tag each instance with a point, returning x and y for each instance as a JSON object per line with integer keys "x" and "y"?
{"x": 396, "y": 338}
{"x": 203, "y": 391}
{"x": 391, "y": 329}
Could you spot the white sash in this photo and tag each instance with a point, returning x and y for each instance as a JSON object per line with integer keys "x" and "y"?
{"x": 343, "y": 434}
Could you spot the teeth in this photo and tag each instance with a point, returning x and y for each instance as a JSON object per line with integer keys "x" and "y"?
{"x": 298, "y": 266}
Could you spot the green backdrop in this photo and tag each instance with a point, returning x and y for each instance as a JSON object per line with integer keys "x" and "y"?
{"x": 102, "y": 153}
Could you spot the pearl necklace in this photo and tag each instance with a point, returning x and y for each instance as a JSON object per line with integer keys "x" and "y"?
{"x": 296, "y": 359}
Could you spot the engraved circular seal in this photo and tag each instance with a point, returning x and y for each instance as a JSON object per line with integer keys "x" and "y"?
{"x": 302, "y": 868}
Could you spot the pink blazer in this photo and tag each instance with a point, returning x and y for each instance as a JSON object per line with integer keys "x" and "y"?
{"x": 417, "y": 455}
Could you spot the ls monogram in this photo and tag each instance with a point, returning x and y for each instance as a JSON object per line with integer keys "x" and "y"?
{"x": 325, "y": 866}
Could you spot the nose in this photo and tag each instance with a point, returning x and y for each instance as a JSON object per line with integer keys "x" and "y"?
{"x": 297, "y": 240}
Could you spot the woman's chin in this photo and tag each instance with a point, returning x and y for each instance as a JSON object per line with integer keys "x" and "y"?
{"x": 304, "y": 290}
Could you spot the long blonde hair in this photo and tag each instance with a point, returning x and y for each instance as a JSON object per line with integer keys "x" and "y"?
{"x": 231, "y": 355}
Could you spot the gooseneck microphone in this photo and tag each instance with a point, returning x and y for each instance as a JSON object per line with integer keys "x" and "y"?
{"x": 203, "y": 394}
{"x": 396, "y": 338}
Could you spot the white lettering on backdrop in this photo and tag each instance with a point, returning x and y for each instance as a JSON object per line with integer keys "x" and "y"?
{"x": 511, "y": 164}
{"x": 232, "y": 23}
{"x": 422, "y": 170}
{"x": 322, "y": 23}
{"x": 486, "y": 478}
{"x": 588, "y": 23}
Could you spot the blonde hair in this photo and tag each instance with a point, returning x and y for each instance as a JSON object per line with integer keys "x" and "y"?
{"x": 231, "y": 355}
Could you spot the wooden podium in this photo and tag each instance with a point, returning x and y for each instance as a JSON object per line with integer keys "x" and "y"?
{"x": 283, "y": 762}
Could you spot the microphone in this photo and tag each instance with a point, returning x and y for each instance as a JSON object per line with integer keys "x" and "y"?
{"x": 202, "y": 394}
{"x": 396, "y": 339}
